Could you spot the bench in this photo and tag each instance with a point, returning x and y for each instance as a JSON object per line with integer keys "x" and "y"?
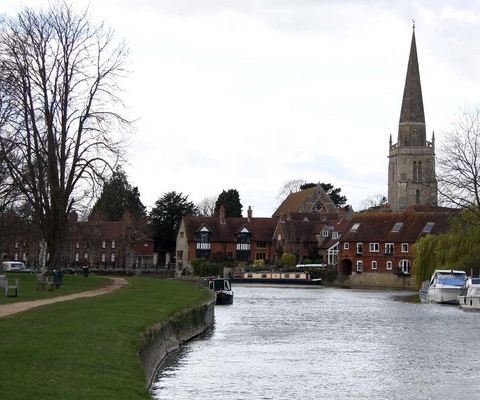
{"x": 7, "y": 285}
{"x": 43, "y": 281}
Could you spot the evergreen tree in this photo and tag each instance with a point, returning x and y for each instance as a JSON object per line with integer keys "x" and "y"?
{"x": 166, "y": 217}
{"x": 231, "y": 200}
{"x": 117, "y": 197}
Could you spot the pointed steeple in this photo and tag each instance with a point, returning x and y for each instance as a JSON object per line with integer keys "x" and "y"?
{"x": 412, "y": 117}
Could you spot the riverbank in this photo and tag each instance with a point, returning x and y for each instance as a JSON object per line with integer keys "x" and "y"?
{"x": 89, "y": 348}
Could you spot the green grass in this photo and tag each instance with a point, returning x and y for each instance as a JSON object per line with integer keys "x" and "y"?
{"x": 71, "y": 284}
{"x": 87, "y": 348}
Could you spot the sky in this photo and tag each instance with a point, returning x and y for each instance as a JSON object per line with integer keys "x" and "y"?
{"x": 247, "y": 95}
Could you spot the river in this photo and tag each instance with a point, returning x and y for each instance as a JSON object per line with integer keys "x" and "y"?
{"x": 327, "y": 343}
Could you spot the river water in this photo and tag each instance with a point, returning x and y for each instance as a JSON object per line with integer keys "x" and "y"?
{"x": 328, "y": 343}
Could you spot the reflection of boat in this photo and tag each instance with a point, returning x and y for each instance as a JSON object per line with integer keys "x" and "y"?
{"x": 445, "y": 286}
{"x": 296, "y": 278}
{"x": 223, "y": 290}
{"x": 469, "y": 296}
{"x": 423, "y": 292}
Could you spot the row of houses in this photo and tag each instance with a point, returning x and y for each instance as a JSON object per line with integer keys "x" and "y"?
{"x": 94, "y": 243}
{"x": 371, "y": 248}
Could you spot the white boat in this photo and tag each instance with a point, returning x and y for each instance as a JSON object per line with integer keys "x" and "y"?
{"x": 470, "y": 294}
{"x": 445, "y": 286}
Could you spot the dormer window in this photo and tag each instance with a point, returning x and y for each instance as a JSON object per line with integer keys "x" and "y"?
{"x": 354, "y": 227}
{"x": 203, "y": 243}
{"x": 397, "y": 227}
{"x": 243, "y": 245}
{"x": 428, "y": 227}
{"x": 334, "y": 235}
{"x": 325, "y": 233}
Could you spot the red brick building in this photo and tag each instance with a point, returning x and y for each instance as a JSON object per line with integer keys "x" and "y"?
{"x": 224, "y": 238}
{"x": 376, "y": 249}
{"x": 94, "y": 243}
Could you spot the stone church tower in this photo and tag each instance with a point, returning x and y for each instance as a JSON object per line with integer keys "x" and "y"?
{"x": 411, "y": 168}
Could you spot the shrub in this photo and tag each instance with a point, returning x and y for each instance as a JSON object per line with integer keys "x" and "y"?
{"x": 202, "y": 267}
{"x": 288, "y": 260}
{"x": 259, "y": 263}
{"x": 328, "y": 275}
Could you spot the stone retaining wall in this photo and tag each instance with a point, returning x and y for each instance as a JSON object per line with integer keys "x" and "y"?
{"x": 163, "y": 339}
{"x": 380, "y": 280}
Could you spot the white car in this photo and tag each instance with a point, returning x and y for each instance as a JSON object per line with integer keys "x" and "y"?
{"x": 13, "y": 266}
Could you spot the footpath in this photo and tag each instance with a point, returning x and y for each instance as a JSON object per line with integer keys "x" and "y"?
{"x": 14, "y": 308}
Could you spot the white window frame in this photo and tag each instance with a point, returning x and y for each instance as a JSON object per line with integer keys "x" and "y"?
{"x": 404, "y": 247}
{"x": 334, "y": 235}
{"x": 15, "y": 257}
{"x": 387, "y": 245}
{"x": 85, "y": 256}
{"x": 112, "y": 257}
{"x": 77, "y": 256}
{"x": 346, "y": 246}
{"x": 77, "y": 245}
{"x": 359, "y": 266}
{"x": 374, "y": 247}
{"x": 389, "y": 265}
{"x": 405, "y": 266}
{"x": 374, "y": 265}
{"x": 114, "y": 245}
{"x": 332, "y": 254}
{"x": 104, "y": 244}
{"x": 325, "y": 233}
{"x": 359, "y": 245}
{"x": 103, "y": 257}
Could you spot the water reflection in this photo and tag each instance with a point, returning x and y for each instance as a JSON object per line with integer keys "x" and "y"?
{"x": 326, "y": 343}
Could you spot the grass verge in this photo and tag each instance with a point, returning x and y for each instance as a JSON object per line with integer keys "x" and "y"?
{"x": 71, "y": 284}
{"x": 87, "y": 348}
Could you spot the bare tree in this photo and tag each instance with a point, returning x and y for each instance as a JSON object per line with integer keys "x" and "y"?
{"x": 376, "y": 200}
{"x": 61, "y": 75}
{"x": 288, "y": 187}
{"x": 459, "y": 163}
{"x": 206, "y": 206}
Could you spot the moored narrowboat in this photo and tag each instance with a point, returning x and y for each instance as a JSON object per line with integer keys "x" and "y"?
{"x": 222, "y": 289}
{"x": 295, "y": 278}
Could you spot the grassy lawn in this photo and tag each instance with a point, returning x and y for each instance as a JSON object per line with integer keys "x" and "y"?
{"x": 87, "y": 348}
{"x": 71, "y": 284}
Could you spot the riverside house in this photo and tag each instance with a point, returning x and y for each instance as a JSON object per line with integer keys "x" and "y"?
{"x": 220, "y": 238}
{"x": 376, "y": 249}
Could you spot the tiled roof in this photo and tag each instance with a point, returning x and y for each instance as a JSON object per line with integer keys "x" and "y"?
{"x": 261, "y": 228}
{"x": 293, "y": 202}
{"x": 377, "y": 227}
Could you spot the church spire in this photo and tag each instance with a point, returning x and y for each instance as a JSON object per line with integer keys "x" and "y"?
{"x": 412, "y": 117}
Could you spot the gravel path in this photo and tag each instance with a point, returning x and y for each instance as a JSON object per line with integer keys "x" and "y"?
{"x": 13, "y": 308}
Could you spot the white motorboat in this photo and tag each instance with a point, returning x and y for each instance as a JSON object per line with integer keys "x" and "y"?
{"x": 470, "y": 294}
{"x": 445, "y": 286}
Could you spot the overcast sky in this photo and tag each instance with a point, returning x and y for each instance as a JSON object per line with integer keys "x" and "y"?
{"x": 250, "y": 94}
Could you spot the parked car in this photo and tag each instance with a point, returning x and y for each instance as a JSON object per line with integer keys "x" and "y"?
{"x": 13, "y": 266}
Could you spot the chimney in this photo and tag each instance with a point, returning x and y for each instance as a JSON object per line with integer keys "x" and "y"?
{"x": 221, "y": 213}
{"x": 249, "y": 214}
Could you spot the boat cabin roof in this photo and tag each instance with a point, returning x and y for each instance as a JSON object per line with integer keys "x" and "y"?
{"x": 450, "y": 271}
